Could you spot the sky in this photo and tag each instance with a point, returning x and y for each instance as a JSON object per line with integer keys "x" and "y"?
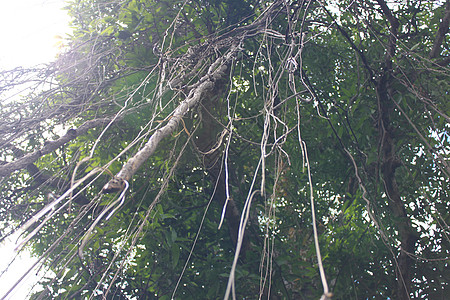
{"x": 30, "y": 32}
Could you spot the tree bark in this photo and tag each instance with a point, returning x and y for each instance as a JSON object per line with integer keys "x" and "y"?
{"x": 442, "y": 31}
{"x": 205, "y": 85}
{"x": 205, "y": 141}
{"x": 49, "y": 147}
{"x": 389, "y": 163}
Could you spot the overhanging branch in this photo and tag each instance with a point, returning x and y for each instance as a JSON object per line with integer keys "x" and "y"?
{"x": 30, "y": 158}
{"x": 207, "y": 83}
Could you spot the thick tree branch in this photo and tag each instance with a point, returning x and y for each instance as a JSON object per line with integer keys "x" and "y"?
{"x": 212, "y": 158}
{"x": 40, "y": 178}
{"x": 442, "y": 31}
{"x": 390, "y": 163}
{"x": 49, "y": 147}
{"x": 387, "y": 12}
{"x": 205, "y": 85}
{"x": 393, "y": 34}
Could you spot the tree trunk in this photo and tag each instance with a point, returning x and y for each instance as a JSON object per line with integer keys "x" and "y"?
{"x": 205, "y": 141}
{"x": 390, "y": 163}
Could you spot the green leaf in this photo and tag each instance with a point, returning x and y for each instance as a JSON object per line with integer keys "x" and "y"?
{"x": 175, "y": 250}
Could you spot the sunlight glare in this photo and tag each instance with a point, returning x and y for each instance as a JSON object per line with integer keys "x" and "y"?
{"x": 30, "y": 31}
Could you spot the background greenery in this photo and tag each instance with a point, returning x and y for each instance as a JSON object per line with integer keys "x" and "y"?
{"x": 354, "y": 91}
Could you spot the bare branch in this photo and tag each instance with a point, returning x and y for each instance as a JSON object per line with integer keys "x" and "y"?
{"x": 30, "y": 158}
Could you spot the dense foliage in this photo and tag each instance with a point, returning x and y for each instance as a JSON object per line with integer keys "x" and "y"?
{"x": 306, "y": 120}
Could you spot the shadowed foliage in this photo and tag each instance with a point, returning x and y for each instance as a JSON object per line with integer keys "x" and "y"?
{"x": 234, "y": 149}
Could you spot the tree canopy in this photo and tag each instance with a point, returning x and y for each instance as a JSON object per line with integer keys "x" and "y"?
{"x": 238, "y": 149}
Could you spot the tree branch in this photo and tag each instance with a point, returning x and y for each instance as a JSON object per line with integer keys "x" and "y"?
{"x": 392, "y": 36}
{"x": 205, "y": 85}
{"x": 387, "y": 12}
{"x": 30, "y": 158}
{"x": 354, "y": 47}
{"x": 442, "y": 31}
